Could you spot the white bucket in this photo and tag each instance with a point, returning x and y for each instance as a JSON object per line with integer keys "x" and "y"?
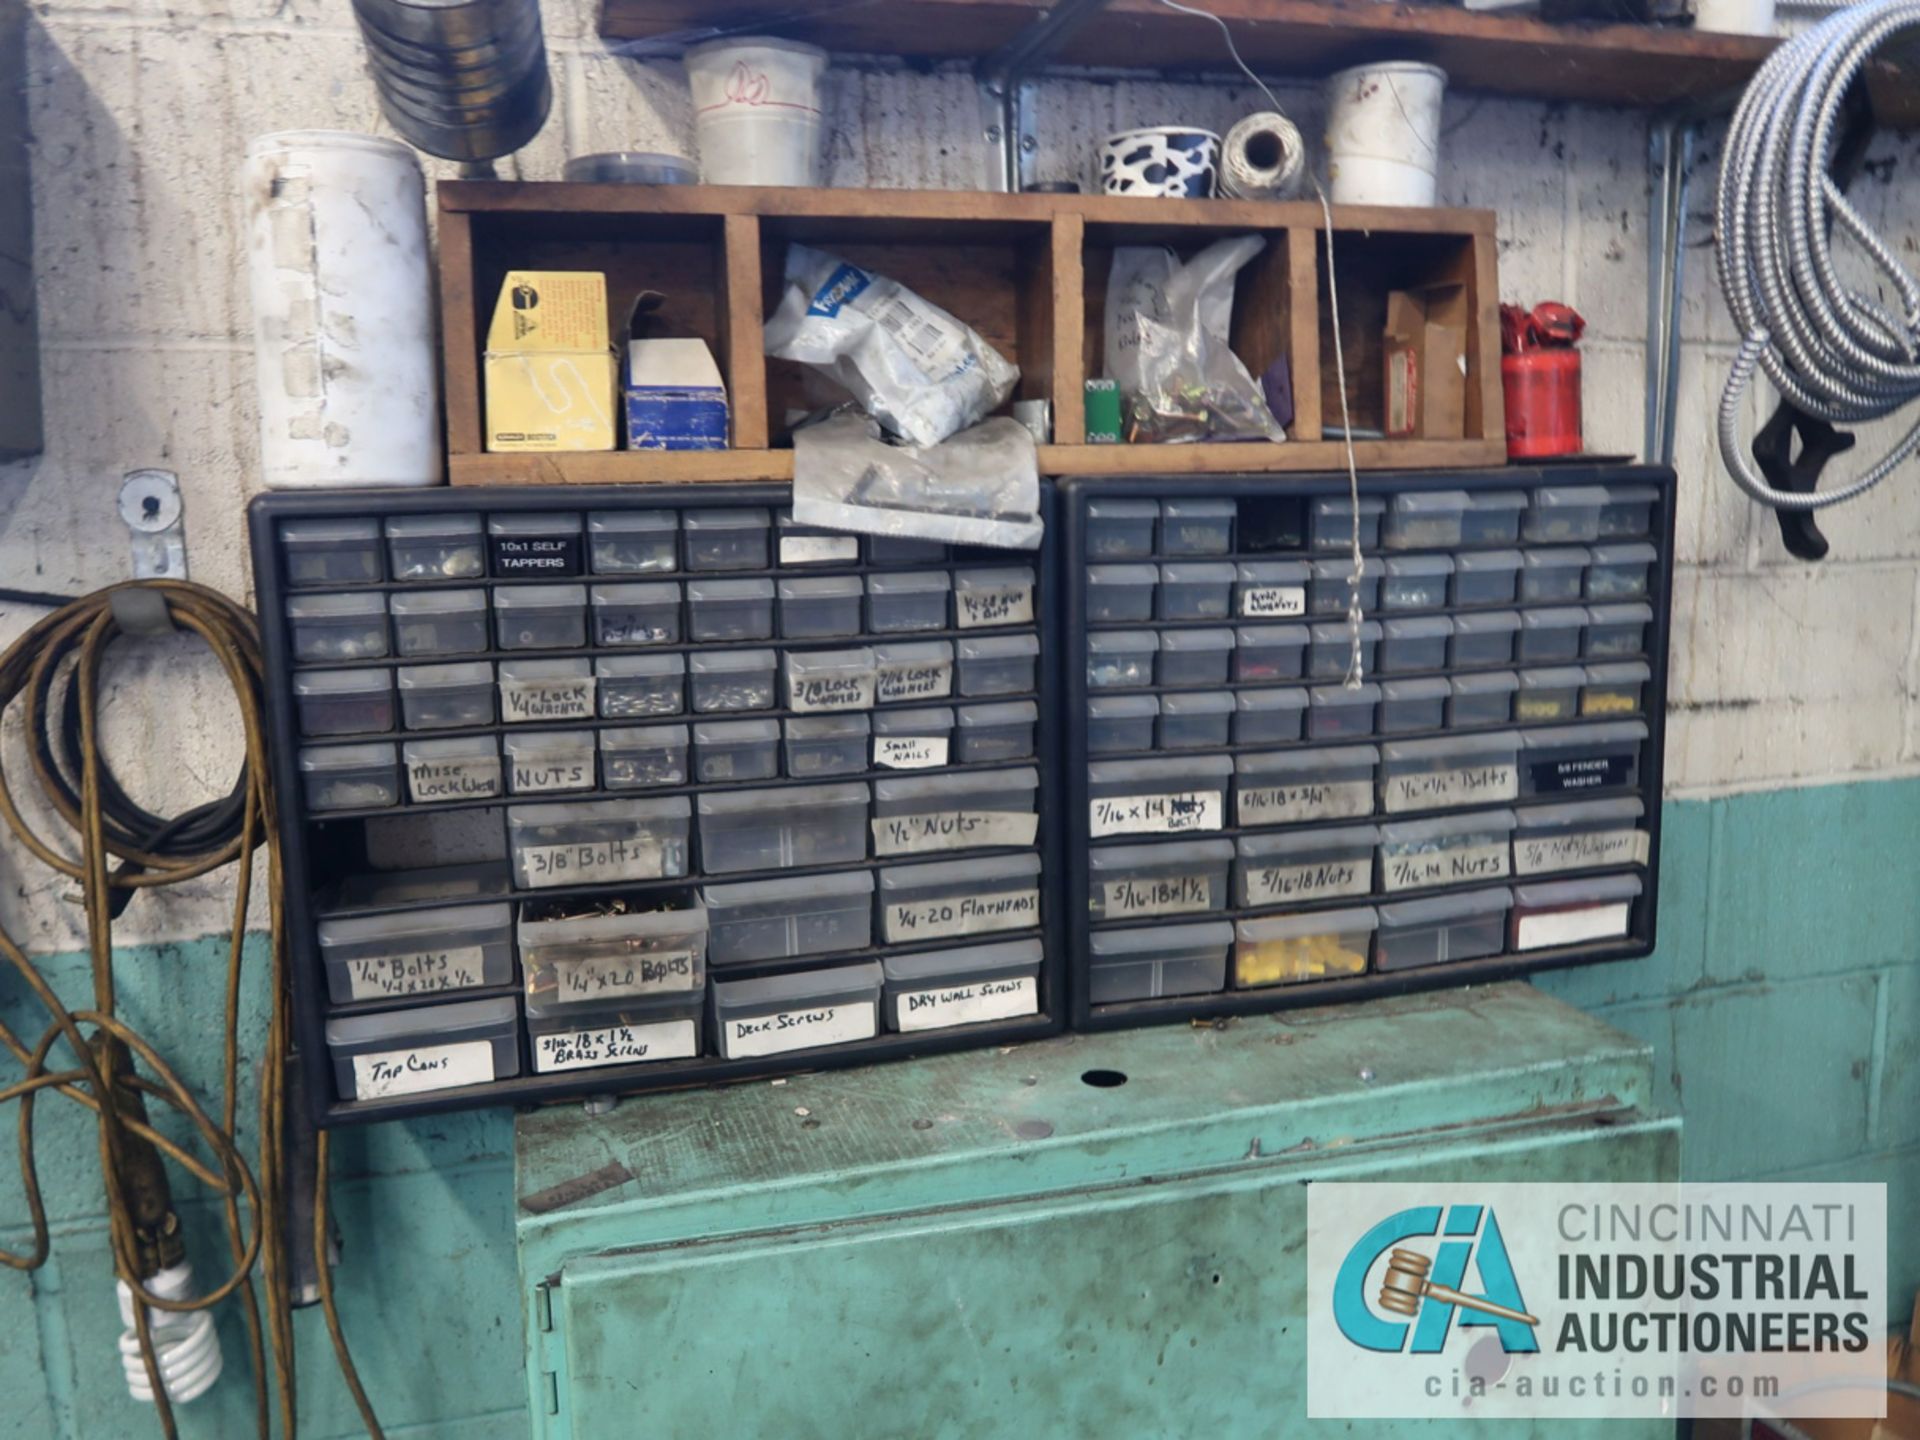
{"x": 756, "y": 110}
{"x": 343, "y": 331}
{"x": 1734, "y": 17}
{"x": 1383, "y": 133}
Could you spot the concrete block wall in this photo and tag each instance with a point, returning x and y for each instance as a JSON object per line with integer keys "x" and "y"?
{"x": 1786, "y": 1031}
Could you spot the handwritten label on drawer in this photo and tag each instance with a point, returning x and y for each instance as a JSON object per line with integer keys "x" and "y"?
{"x": 433, "y": 780}
{"x": 1272, "y": 602}
{"x": 533, "y": 700}
{"x": 963, "y": 915}
{"x": 592, "y": 862}
{"x": 1158, "y": 895}
{"x": 952, "y": 830}
{"x": 422, "y": 1067}
{"x": 1287, "y": 804}
{"x": 418, "y": 974}
{"x": 1007, "y": 605}
{"x": 600, "y": 977}
{"x": 1179, "y": 814}
{"x": 811, "y": 693}
{"x": 1544, "y": 854}
{"x": 799, "y": 1029}
{"x": 1321, "y": 880}
{"x": 1443, "y": 789}
{"x": 615, "y": 1045}
{"x": 1444, "y": 867}
{"x": 968, "y": 1004}
{"x": 530, "y": 777}
{"x": 1572, "y": 927}
{"x": 910, "y": 752}
{"x": 916, "y": 682}
{"x": 819, "y": 549}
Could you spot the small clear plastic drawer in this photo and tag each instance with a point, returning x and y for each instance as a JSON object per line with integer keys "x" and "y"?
{"x": 798, "y": 544}
{"x": 904, "y": 550}
{"x": 534, "y": 692}
{"x": 908, "y": 600}
{"x": 610, "y": 952}
{"x": 1275, "y": 715}
{"x": 1564, "y": 515}
{"x": 425, "y": 1049}
{"x": 338, "y": 627}
{"x": 465, "y": 768}
{"x": 1294, "y": 949}
{"x": 1468, "y": 926}
{"x": 967, "y": 810}
{"x": 906, "y": 671}
{"x": 540, "y": 617}
{"x": 635, "y": 757}
{"x": 820, "y": 746}
{"x": 820, "y": 607}
{"x": 1291, "y": 787}
{"x": 1121, "y": 659}
{"x": 1424, "y": 520}
{"x": 1553, "y": 576}
{"x": 999, "y": 596}
{"x": 787, "y": 918}
{"x": 631, "y": 686}
{"x": 1552, "y": 693}
{"x": 802, "y": 1011}
{"x": 1331, "y": 590}
{"x": 1195, "y": 721}
{"x": 730, "y": 609}
{"x": 1196, "y": 527}
{"x": 631, "y": 1032}
{"x": 970, "y": 986}
{"x": 1292, "y": 867}
{"x": 729, "y": 538}
{"x": 731, "y": 680}
{"x": 951, "y": 898}
{"x": 325, "y": 551}
{"x": 1416, "y": 582}
{"x": 1117, "y": 723}
{"x": 639, "y": 612}
{"x": 1174, "y": 877}
{"x": 1548, "y": 636}
{"x": 597, "y": 842}
{"x": 350, "y": 777}
{"x": 822, "y": 680}
{"x": 1486, "y": 577}
{"x": 726, "y": 751}
{"x": 1338, "y": 712}
{"x": 1120, "y": 529}
{"x": 997, "y": 665}
{"x": 343, "y": 702}
{"x": 999, "y": 732}
{"x": 1156, "y": 963}
{"x": 917, "y": 739}
{"x": 1414, "y": 642}
{"x": 1196, "y": 590}
{"x": 544, "y": 761}
{"x": 435, "y": 547}
{"x": 1271, "y": 589}
{"x": 1617, "y": 689}
{"x": 634, "y": 542}
{"x": 1269, "y": 652}
{"x": 1581, "y": 758}
{"x": 1492, "y": 517}
{"x": 446, "y": 697}
{"x": 1330, "y": 522}
{"x": 1195, "y": 657}
{"x": 1580, "y": 835}
{"x": 1174, "y": 796}
{"x": 1617, "y": 631}
{"x": 794, "y": 828}
{"x": 1620, "y": 572}
{"x": 416, "y": 952}
{"x": 1413, "y": 704}
{"x": 1121, "y": 592}
{"x": 1450, "y": 772}
{"x": 1330, "y": 653}
{"x": 1627, "y": 512}
{"x": 1487, "y": 639}
{"x": 1574, "y": 912}
{"x": 439, "y": 622}
{"x": 1482, "y": 699}
{"x": 1445, "y": 851}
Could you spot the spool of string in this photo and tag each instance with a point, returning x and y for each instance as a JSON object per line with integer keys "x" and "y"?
{"x": 1263, "y": 158}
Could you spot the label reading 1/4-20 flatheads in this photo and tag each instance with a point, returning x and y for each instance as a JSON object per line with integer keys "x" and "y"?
{"x": 950, "y": 916}
{"x": 800, "y": 1029}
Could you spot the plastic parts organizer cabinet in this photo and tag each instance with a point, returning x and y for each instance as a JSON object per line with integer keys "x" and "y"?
{"x": 625, "y": 789}
{"x": 1256, "y": 834}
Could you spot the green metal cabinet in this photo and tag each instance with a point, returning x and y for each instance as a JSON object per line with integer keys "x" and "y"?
{"x": 1094, "y": 1235}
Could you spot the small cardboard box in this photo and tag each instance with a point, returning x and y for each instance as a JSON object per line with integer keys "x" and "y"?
{"x": 1426, "y": 360}
{"x": 552, "y": 380}
{"x": 675, "y": 398}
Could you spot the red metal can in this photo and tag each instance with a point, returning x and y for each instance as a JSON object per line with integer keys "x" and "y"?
{"x": 1543, "y": 402}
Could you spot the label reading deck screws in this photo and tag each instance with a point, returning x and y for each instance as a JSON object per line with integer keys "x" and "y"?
{"x": 799, "y": 1029}
{"x": 422, "y": 1067}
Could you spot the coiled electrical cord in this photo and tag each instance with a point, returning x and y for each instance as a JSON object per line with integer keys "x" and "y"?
{"x": 1832, "y": 351}
{"x": 64, "y": 653}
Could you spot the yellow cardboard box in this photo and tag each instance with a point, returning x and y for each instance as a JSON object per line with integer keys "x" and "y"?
{"x": 552, "y": 378}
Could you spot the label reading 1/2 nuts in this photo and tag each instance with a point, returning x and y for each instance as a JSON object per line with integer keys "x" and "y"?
{"x": 1452, "y": 866}
{"x": 1157, "y": 895}
{"x": 592, "y": 862}
{"x": 910, "y": 752}
{"x": 968, "y": 1004}
{"x": 432, "y": 780}
{"x": 1444, "y": 789}
{"x": 1272, "y": 602}
{"x": 963, "y": 915}
{"x": 953, "y": 830}
{"x": 615, "y": 1045}
{"x": 423, "y": 973}
{"x": 423, "y": 1067}
{"x": 1006, "y": 605}
{"x": 598, "y": 977}
{"x": 799, "y": 1029}
{"x": 810, "y": 693}
{"x": 1156, "y": 814}
{"x": 930, "y": 681}
{"x": 522, "y": 701}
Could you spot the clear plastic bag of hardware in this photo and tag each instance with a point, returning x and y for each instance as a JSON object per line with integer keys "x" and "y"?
{"x": 980, "y": 487}
{"x": 1167, "y": 346}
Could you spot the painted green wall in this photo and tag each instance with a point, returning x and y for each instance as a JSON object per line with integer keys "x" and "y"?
{"x": 1782, "y": 1005}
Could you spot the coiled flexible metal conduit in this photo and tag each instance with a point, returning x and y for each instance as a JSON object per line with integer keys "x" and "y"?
{"x": 1831, "y": 351}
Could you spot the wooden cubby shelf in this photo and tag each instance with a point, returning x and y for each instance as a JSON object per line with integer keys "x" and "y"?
{"x": 1027, "y": 271}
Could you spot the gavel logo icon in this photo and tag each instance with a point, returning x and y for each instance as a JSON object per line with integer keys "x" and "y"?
{"x": 1406, "y": 1284}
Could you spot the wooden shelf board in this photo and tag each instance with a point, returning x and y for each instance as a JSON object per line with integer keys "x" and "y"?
{"x": 1507, "y": 55}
